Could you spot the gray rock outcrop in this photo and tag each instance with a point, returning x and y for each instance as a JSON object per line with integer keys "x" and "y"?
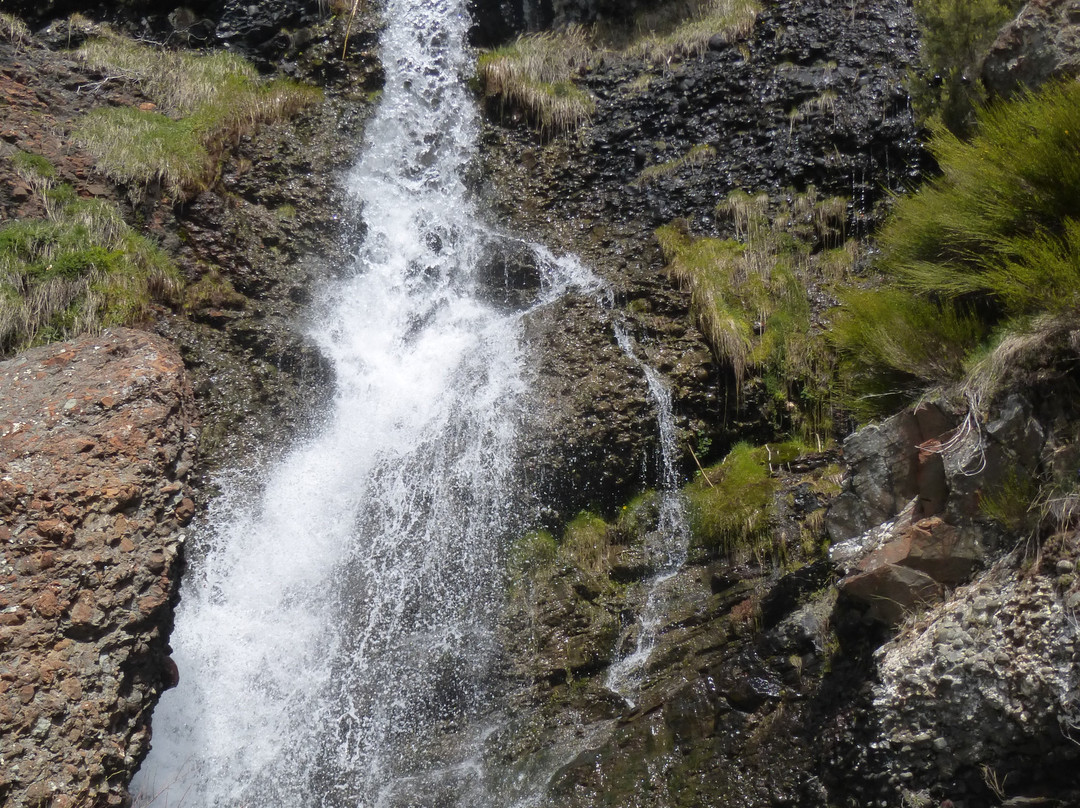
{"x": 1041, "y": 44}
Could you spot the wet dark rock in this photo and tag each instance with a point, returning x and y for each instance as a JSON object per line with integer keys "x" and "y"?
{"x": 789, "y": 592}
{"x": 509, "y": 274}
{"x": 886, "y": 469}
{"x": 589, "y": 430}
{"x": 497, "y": 21}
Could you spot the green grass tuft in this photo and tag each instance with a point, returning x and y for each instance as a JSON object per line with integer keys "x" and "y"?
{"x": 208, "y": 100}
{"x": 13, "y": 29}
{"x": 535, "y": 75}
{"x": 142, "y": 148}
{"x": 730, "y": 505}
{"x": 81, "y": 270}
{"x": 727, "y": 19}
{"x": 586, "y": 543}
{"x": 33, "y": 166}
{"x": 696, "y": 157}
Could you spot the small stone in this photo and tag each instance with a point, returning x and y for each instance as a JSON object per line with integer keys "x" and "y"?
{"x": 1065, "y": 565}
{"x": 185, "y": 511}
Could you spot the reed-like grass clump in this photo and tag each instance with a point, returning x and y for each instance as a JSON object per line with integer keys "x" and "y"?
{"x": 535, "y": 75}
{"x": 206, "y": 101}
{"x": 709, "y": 21}
{"x": 694, "y": 159}
{"x": 749, "y": 296}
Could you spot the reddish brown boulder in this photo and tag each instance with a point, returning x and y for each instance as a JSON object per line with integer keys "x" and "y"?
{"x": 892, "y": 591}
{"x": 89, "y": 501}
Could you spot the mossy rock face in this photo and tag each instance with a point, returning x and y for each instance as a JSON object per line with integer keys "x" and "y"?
{"x": 742, "y": 661}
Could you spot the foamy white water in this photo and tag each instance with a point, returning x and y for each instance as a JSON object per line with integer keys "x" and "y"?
{"x": 336, "y": 634}
{"x": 667, "y": 545}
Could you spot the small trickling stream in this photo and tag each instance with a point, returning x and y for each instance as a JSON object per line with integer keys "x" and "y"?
{"x": 336, "y": 635}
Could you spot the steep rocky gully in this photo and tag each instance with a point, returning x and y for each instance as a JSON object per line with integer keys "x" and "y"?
{"x": 893, "y": 646}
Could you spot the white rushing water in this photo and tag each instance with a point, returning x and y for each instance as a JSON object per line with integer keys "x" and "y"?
{"x": 666, "y": 546}
{"x": 335, "y": 637}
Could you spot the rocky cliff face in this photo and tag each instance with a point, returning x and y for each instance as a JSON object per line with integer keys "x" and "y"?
{"x": 949, "y": 644}
{"x": 97, "y": 440}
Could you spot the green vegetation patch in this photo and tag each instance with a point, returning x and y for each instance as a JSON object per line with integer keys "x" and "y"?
{"x": 750, "y": 296}
{"x": 731, "y": 506}
{"x": 696, "y": 157}
{"x": 988, "y": 249}
{"x": 81, "y": 270}
{"x": 727, "y": 19}
{"x": 140, "y": 148}
{"x": 33, "y": 166}
{"x": 535, "y": 75}
{"x": 208, "y": 101}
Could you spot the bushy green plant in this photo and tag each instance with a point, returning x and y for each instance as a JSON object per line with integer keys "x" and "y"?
{"x": 208, "y": 101}
{"x": 990, "y": 243}
{"x": 535, "y": 75}
{"x": 895, "y": 345}
{"x": 80, "y": 270}
{"x": 956, "y": 35}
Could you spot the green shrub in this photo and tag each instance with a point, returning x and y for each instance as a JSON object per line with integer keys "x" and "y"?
{"x": 894, "y": 345}
{"x": 81, "y": 270}
{"x": 209, "y": 101}
{"x": 535, "y": 75}
{"x": 992, "y": 242}
{"x": 956, "y": 35}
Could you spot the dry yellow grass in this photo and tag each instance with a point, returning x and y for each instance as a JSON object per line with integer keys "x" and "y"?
{"x": 535, "y": 74}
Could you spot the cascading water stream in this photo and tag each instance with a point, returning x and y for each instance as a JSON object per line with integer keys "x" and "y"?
{"x": 668, "y": 543}
{"x": 325, "y": 627}
{"x": 336, "y": 633}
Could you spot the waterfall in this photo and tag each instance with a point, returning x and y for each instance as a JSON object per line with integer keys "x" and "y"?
{"x": 336, "y": 631}
{"x": 328, "y": 625}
